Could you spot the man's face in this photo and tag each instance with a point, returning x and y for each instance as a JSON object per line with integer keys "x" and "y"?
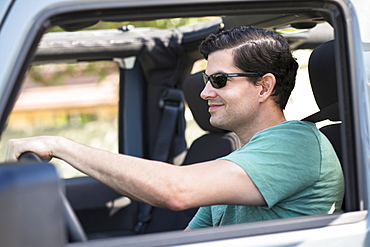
{"x": 235, "y": 105}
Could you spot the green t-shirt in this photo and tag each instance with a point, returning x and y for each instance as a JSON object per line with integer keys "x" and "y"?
{"x": 295, "y": 168}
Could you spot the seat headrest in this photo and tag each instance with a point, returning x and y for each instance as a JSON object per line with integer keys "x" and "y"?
{"x": 192, "y": 87}
{"x": 323, "y": 77}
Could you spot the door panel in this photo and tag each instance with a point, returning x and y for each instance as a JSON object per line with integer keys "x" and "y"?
{"x": 102, "y": 211}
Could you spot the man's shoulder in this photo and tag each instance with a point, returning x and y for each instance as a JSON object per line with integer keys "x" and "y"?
{"x": 288, "y": 130}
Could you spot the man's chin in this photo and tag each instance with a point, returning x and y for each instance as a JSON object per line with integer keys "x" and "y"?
{"x": 219, "y": 125}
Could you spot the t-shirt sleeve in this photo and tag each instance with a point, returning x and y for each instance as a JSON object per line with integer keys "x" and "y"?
{"x": 280, "y": 161}
{"x": 202, "y": 219}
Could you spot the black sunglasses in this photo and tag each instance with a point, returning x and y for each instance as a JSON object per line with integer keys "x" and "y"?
{"x": 218, "y": 80}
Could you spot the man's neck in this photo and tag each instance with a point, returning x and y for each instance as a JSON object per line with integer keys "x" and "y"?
{"x": 247, "y": 132}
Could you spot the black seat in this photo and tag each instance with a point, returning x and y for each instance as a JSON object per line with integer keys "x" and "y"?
{"x": 214, "y": 144}
{"x": 323, "y": 77}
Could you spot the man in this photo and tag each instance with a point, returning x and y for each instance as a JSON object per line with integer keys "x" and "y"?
{"x": 284, "y": 168}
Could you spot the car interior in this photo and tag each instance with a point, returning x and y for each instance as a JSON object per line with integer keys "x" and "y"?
{"x": 157, "y": 87}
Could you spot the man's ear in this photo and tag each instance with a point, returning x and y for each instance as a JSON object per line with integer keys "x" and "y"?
{"x": 267, "y": 84}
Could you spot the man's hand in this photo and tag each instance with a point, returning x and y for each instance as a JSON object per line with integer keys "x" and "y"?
{"x": 41, "y": 145}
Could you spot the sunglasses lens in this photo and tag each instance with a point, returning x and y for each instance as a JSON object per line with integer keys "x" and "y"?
{"x": 218, "y": 80}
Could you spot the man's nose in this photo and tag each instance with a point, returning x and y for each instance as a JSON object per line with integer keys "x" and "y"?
{"x": 208, "y": 91}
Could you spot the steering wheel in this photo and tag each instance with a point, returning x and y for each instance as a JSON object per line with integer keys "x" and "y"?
{"x": 74, "y": 227}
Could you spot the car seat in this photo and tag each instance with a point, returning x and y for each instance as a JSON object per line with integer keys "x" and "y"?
{"x": 214, "y": 144}
{"x": 323, "y": 77}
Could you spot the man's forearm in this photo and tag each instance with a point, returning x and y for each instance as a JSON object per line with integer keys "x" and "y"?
{"x": 139, "y": 179}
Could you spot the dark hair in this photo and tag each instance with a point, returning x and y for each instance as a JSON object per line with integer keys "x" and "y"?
{"x": 260, "y": 51}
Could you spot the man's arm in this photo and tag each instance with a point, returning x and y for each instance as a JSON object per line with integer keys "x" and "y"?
{"x": 156, "y": 183}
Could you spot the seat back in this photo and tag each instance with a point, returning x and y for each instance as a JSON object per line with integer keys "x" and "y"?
{"x": 323, "y": 77}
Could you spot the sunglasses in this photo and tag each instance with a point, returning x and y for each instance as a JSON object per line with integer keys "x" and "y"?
{"x": 218, "y": 80}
